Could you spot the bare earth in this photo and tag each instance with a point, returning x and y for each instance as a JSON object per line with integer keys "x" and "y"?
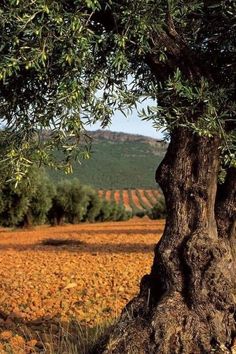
{"x": 87, "y": 271}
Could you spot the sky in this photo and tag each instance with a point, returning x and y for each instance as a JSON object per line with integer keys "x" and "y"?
{"x": 132, "y": 124}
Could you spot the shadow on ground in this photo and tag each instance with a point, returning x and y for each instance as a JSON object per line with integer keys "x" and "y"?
{"x": 113, "y": 232}
{"x": 71, "y": 245}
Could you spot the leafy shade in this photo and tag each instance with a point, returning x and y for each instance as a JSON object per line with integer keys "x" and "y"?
{"x": 65, "y": 63}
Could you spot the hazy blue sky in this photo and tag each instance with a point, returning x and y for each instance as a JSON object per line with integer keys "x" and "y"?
{"x": 133, "y": 125}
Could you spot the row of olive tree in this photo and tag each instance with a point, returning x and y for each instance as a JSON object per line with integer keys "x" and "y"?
{"x": 74, "y": 203}
{"x": 37, "y": 201}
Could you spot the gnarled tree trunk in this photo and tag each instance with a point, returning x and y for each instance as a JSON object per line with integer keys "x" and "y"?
{"x": 187, "y": 303}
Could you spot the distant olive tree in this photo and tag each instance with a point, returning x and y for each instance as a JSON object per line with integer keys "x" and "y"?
{"x": 69, "y": 203}
{"x": 28, "y": 203}
{"x": 40, "y": 203}
{"x": 94, "y": 205}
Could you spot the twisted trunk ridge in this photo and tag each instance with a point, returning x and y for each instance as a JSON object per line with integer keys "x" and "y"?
{"x": 187, "y": 302}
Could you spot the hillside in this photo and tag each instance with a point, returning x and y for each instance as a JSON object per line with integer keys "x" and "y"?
{"x": 118, "y": 161}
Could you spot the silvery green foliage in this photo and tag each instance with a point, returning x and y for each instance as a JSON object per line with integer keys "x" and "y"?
{"x": 63, "y": 64}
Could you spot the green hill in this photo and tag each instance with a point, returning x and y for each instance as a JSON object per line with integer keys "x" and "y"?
{"x": 118, "y": 161}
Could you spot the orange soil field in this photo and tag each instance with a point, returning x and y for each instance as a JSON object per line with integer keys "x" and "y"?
{"x": 91, "y": 275}
{"x": 101, "y": 193}
{"x": 117, "y": 197}
{"x": 153, "y": 195}
{"x": 144, "y": 198}
{"x": 135, "y": 199}
{"x": 156, "y": 193}
{"x": 108, "y": 195}
{"x": 126, "y": 200}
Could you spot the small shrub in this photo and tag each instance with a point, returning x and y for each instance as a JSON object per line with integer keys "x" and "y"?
{"x": 110, "y": 211}
{"x": 159, "y": 210}
{"x": 141, "y": 213}
{"x": 105, "y": 211}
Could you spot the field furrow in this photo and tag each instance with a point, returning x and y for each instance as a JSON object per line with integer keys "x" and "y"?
{"x": 108, "y": 195}
{"x": 156, "y": 193}
{"x": 144, "y": 198}
{"x": 150, "y": 196}
{"x": 135, "y": 199}
{"x": 117, "y": 196}
{"x": 126, "y": 200}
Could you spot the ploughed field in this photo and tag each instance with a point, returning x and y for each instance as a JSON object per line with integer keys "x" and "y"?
{"x": 135, "y": 200}
{"x": 88, "y": 271}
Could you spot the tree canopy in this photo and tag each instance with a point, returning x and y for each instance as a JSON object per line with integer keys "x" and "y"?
{"x": 63, "y": 64}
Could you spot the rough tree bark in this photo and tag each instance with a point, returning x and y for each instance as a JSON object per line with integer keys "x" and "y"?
{"x": 187, "y": 303}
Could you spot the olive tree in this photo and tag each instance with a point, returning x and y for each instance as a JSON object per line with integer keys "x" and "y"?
{"x": 63, "y": 63}
{"x": 28, "y": 203}
{"x": 70, "y": 202}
